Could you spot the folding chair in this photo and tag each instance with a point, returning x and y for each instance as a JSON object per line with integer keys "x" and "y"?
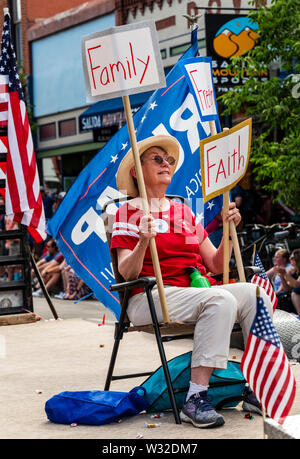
{"x": 163, "y": 332}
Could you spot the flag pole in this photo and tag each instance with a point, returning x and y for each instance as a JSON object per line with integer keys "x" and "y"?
{"x": 213, "y": 130}
{"x": 253, "y": 254}
{"x": 265, "y": 436}
{"x": 143, "y": 194}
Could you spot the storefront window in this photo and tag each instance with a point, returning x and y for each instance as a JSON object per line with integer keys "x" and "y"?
{"x": 67, "y": 127}
{"x": 47, "y": 131}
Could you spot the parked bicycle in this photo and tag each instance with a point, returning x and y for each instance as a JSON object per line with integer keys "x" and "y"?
{"x": 266, "y": 240}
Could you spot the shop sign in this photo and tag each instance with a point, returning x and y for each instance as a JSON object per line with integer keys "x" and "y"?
{"x": 229, "y": 36}
{"x": 90, "y": 122}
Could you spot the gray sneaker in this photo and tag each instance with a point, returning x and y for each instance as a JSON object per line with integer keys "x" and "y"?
{"x": 199, "y": 411}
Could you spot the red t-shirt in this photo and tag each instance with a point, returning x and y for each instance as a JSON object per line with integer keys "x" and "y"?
{"x": 178, "y": 240}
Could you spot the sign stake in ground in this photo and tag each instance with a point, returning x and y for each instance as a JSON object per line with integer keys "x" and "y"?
{"x": 118, "y": 62}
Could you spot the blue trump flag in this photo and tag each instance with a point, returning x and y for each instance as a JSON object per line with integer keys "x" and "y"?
{"x": 77, "y": 224}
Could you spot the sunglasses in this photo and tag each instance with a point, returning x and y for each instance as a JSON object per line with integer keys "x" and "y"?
{"x": 159, "y": 160}
{"x": 292, "y": 257}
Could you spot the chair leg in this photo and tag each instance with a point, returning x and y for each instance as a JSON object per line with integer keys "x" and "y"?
{"x": 163, "y": 357}
{"x": 113, "y": 359}
{"x": 118, "y": 337}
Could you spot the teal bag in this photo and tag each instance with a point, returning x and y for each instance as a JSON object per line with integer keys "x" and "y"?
{"x": 226, "y": 387}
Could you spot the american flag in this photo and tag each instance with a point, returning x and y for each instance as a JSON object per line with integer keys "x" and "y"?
{"x": 263, "y": 281}
{"x": 266, "y": 368}
{"x": 23, "y": 201}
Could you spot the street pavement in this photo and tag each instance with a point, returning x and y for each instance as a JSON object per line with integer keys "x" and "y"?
{"x": 88, "y": 309}
{"x": 44, "y": 358}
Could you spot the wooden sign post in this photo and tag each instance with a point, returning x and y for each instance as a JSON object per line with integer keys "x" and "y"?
{"x": 224, "y": 161}
{"x": 143, "y": 193}
{"x": 118, "y": 62}
{"x": 226, "y": 232}
{"x": 213, "y": 131}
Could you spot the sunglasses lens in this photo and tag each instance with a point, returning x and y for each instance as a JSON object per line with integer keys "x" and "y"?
{"x": 158, "y": 159}
{"x": 171, "y": 160}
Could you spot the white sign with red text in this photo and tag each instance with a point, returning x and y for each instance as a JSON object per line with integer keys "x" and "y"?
{"x": 224, "y": 159}
{"x": 198, "y": 71}
{"x": 121, "y": 61}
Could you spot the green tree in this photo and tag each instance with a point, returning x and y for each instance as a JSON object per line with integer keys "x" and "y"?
{"x": 29, "y": 107}
{"x": 275, "y": 153}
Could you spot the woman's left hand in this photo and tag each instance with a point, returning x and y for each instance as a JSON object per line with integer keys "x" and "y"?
{"x": 233, "y": 214}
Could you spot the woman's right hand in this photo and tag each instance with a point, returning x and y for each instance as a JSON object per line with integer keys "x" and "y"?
{"x": 147, "y": 228}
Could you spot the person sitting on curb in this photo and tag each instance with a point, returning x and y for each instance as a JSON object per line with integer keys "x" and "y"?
{"x": 74, "y": 288}
{"x": 291, "y": 279}
{"x": 51, "y": 274}
{"x": 52, "y": 252}
{"x": 281, "y": 260}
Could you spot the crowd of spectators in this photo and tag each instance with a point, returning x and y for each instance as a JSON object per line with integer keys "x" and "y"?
{"x": 58, "y": 277}
{"x": 285, "y": 276}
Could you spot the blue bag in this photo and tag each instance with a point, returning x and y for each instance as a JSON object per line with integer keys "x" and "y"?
{"x": 226, "y": 387}
{"x": 95, "y": 407}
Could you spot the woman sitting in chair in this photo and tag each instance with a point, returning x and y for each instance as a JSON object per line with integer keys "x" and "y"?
{"x": 181, "y": 242}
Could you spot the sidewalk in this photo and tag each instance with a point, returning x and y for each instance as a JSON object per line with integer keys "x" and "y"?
{"x": 39, "y": 360}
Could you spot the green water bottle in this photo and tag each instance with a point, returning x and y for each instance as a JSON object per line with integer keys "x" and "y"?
{"x": 197, "y": 280}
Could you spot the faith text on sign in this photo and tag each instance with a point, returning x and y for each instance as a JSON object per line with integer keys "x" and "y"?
{"x": 224, "y": 159}
{"x": 198, "y": 71}
{"x": 121, "y": 61}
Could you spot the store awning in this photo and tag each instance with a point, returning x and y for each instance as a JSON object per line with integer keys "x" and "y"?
{"x": 110, "y": 112}
{"x": 70, "y": 150}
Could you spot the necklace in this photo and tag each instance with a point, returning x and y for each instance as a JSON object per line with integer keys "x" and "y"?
{"x": 159, "y": 204}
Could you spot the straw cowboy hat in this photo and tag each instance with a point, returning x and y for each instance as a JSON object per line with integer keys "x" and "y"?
{"x": 124, "y": 178}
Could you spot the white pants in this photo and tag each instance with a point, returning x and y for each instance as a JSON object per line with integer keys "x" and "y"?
{"x": 214, "y": 312}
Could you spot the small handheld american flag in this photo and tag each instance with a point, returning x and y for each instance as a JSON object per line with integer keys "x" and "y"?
{"x": 263, "y": 281}
{"x": 23, "y": 201}
{"x": 266, "y": 367}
